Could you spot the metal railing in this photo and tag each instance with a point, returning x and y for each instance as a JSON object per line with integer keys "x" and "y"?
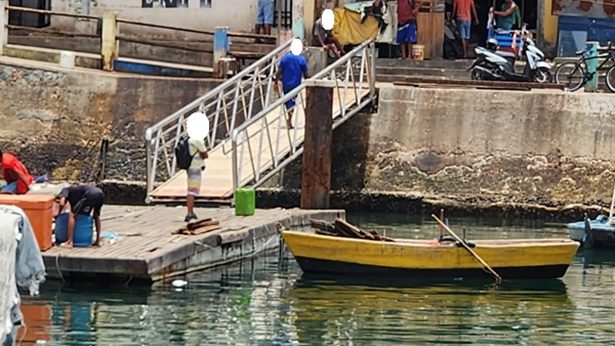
{"x": 263, "y": 145}
{"x": 227, "y": 106}
{"x": 130, "y": 38}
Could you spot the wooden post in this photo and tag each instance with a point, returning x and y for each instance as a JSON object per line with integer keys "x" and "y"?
{"x": 4, "y": 21}
{"x": 109, "y": 44}
{"x": 316, "y": 167}
{"x": 221, "y": 48}
{"x": 319, "y": 6}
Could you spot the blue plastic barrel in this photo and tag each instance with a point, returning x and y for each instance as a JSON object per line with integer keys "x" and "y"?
{"x": 82, "y": 235}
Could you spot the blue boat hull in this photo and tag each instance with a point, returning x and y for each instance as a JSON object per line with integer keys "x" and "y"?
{"x": 601, "y": 232}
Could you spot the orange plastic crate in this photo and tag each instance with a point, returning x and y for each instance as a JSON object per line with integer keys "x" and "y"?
{"x": 38, "y": 208}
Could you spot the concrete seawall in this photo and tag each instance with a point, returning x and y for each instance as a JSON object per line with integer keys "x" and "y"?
{"x": 55, "y": 119}
{"x": 547, "y": 146}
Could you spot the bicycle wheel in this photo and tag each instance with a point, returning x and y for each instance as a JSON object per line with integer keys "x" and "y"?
{"x": 610, "y": 78}
{"x": 571, "y": 75}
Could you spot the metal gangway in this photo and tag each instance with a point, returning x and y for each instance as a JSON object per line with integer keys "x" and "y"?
{"x": 249, "y": 140}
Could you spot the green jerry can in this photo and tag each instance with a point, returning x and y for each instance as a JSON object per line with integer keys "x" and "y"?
{"x": 245, "y": 202}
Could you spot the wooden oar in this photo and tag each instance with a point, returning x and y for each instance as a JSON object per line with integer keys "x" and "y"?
{"x": 610, "y": 222}
{"x": 497, "y": 277}
{"x": 441, "y": 228}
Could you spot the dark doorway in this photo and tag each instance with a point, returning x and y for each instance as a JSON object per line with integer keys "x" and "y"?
{"x": 283, "y": 13}
{"x": 33, "y": 20}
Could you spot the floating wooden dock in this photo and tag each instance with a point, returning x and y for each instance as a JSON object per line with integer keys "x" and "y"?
{"x": 146, "y": 248}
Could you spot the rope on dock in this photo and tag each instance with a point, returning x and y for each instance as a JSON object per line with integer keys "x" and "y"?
{"x": 58, "y": 268}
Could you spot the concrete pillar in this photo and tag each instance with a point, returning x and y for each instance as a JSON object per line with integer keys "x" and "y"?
{"x": 109, "y": 43}
{"x": 298, "y": 22}
{"x": 308, "y": 18}
{"x": 4, "y": 20}
{"x": 316, "y": 166}
{"x": 284, "y": 35}
{"x": 222, "y": 46}
{"x": 592, "y": 66}
{"x": 540, "y": 25}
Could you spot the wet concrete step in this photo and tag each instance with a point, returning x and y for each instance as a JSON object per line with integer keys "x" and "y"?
{"x": 421, "y": 71}
{"x": 404, "y": 78}
{"x": 435, "y": 63}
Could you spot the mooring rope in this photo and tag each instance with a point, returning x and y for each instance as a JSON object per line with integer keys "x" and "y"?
{"x": 58, "y": 268}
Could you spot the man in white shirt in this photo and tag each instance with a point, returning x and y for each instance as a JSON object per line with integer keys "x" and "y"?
{"x": 199, "y": 154}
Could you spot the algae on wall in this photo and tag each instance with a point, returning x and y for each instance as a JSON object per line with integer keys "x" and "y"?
{"x": 56, "y": 120}
{"x": 547, "y": 147}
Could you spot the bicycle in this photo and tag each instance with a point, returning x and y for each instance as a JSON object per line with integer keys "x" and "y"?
{"x": 574, "y": 75}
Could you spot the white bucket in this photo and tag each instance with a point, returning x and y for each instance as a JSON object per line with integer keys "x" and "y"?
{"x": 67, "y": 59}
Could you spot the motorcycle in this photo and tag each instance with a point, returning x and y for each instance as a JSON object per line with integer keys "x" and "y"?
{"x": 491, "y": 64}
{"x": 494, "y": 63}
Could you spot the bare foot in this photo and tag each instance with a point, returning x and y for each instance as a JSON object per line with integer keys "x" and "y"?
{"x": 67, "y": 244}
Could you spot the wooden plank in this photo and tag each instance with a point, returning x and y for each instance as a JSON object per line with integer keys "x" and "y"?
{"x": 316, "y": 165}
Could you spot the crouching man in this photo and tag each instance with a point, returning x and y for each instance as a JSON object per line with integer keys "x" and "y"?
{"x": 84, "y": 200}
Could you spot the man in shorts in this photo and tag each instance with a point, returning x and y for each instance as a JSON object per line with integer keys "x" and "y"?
{"x": 463, "y": 10}
{"x": 325, "y": 39}
{"x": 406, "y": 26}
{"x": 291, "y": 69}
{"x": 83, "y": 200}
{"x": 195, "y": 172}
{"x": 264, "y": 16}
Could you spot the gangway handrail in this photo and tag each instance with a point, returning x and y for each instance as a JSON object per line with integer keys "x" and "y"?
{"x": 273, "y": 163}
{"x": 287, "y": 97}
{"x": 228, "y": 105}
{"x": 217, "y": 89}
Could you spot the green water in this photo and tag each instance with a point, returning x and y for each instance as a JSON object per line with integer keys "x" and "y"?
{"x": 267, "y": 301}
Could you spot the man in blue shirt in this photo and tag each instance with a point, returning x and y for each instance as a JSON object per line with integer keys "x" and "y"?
{"x": 291, "y": 69}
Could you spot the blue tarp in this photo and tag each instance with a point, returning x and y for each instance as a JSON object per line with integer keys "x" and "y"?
{"x": 601, "y": 30}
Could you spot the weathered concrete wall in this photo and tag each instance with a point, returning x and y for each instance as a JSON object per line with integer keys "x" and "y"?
{"x": 548, "y": 147}
{"x": 55, "y": 119}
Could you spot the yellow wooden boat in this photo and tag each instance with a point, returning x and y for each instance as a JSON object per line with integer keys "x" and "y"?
{"x": 510, "y": 258}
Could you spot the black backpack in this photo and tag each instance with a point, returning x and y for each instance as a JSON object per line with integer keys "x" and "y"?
{"x": 182, "y": 154}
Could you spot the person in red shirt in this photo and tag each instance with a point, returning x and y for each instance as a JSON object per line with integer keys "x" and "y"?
{"x": 463, "y": 11}
{"x": 17, "y": 178}
{"x": 406, "y": 25}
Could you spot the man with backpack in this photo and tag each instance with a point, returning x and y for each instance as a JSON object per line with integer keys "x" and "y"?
{"x": 406, "y": 26}
{"x": 190, "y": 154}
{"x": 198, "y": 152}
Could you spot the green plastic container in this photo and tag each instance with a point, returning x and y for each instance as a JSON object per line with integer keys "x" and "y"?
{"x": 245, "y": 202}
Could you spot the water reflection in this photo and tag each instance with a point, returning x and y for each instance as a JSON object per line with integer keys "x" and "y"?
{"x": 330, "y": 310}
